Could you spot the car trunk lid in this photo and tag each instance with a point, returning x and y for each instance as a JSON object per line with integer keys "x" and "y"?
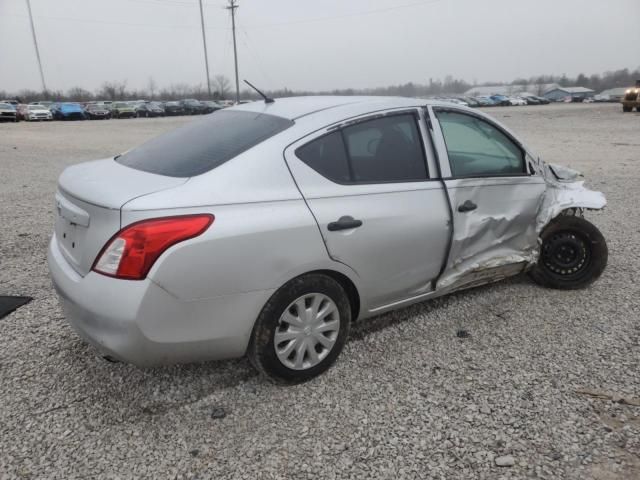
{"x": 88, "y": 202}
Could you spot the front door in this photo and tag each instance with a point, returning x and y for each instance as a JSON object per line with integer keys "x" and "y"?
{"x": 494, "y": 195}
{"x": 368, "y": 187}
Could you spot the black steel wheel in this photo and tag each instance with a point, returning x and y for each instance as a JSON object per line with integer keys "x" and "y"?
{"x": 573, "y": 254}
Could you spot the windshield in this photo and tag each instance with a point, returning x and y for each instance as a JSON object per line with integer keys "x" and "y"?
{"x": 6, "y": 105}
{"x": 201, "y": 146}
{"x": 121, "y": 105}
{"x": 36, "y": 107}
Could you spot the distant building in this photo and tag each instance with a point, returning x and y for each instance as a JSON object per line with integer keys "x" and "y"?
{"x": 576, "y": 93}
{"x": 532, "y": 89}
{"x": 612, "y": 94}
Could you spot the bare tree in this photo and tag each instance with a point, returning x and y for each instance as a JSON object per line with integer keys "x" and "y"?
{"x": 79, "y": 94}
{"x": 113, "y": 90}
{"x": 152, "y": 86}
{"x": 122, "y": 89}
{"x": 108, "y": 91}
{"x": 221, "y": 85}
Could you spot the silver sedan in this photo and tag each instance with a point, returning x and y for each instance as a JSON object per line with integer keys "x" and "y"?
{"x": 268, "y": 228}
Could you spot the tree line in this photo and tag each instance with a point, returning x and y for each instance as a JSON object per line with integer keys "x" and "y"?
{"x": 221, "y": 88}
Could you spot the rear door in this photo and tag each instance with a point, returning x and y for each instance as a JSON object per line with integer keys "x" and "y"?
{"x": 369, "y": 187}
{"x": 495, "y": 196}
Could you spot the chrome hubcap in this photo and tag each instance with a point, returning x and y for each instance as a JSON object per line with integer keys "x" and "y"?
{"x": 307, "y": 331}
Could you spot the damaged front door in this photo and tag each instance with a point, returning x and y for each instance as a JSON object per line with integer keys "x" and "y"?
{"x": 494, "y": 197}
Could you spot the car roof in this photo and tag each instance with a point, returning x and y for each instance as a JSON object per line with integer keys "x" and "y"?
{"x": 294, "y": 108}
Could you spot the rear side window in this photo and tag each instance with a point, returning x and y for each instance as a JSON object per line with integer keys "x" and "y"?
{"x": 327, "y": 156}
{"x": 387, "y": 149}
{"x": 202, "y": 145}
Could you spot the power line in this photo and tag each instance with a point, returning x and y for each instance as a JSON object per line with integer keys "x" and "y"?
{"x": 108, "y": 22}
{"x": 346, "y": 15}
{"x": 256, "y": 58}
{"x": 35, "y": 43}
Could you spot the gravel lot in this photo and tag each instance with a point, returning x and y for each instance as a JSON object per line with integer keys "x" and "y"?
{"x": 550, "y": 378}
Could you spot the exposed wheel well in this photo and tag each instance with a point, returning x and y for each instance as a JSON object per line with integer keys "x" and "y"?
{"x": 349, "y": 287}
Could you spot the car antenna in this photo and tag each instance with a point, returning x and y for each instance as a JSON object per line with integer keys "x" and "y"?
{"x": 266, "y": 99}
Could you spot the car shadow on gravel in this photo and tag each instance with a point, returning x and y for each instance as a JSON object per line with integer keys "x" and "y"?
{"x": 361, "y": 329}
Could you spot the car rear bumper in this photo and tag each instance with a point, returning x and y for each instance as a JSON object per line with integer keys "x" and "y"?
{"x": 141, "y": 323}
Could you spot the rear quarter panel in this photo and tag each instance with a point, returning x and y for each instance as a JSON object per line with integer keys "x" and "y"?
{"x": 263, "y": 234}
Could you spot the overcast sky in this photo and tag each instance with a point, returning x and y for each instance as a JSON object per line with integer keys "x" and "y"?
{"x": 314, "y": 44}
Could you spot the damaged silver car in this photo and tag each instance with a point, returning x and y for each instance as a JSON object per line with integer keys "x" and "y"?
{"x": 267, "y": 228}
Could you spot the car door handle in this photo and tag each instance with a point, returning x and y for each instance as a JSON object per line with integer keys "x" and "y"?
{"x": 344, "y": 223}
{"x": 467, "y": 206}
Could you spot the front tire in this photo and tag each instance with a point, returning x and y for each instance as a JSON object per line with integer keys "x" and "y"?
{"x": 301, "y": 330}
{"x": 574, "y": 254}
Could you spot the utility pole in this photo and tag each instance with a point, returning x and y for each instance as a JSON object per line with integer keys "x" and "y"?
{"x": 35, "y": 43}
{"x": 204, "y": 43}
{"x": 232, "y": 6}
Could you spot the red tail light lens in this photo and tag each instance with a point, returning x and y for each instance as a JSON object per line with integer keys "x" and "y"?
{"x": 131, "y": 253}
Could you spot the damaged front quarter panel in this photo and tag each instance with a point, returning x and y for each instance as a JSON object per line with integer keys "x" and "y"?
{"x": 564, "y": 192}
{"x": 487, "y": 247}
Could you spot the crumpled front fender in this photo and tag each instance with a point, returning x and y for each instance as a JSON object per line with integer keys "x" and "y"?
{"x": 564, "y": 191}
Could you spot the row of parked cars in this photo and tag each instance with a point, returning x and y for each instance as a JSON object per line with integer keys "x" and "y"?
{"x": 11, "y": 110}
{"x": 495, "y": 100}
{"x": 45, "y": 110}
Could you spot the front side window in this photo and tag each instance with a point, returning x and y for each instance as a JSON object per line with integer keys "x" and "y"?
{"x": 387, "y": 149}
{"x": 477, "y": 148}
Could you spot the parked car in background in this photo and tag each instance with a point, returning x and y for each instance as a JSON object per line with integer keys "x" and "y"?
{"x": 37, "y": 112}
{"x": 97, "y": 112}
{"x": 44, "y": 103}
{"x": 21, "y": 111}
{"x": 15, "y": 103}
{"x": 158, "y": 255}
{"x": 631, "y": 98}
{"x": 67, "y": 111}
{"x": 173, "y": 108}
{"x": 150, "y": 109}
{"x": 192, "y": 107}
{"x": 531, "y": 100}
{"x": 542, "y": 100}
{"x": 472, "y": 102}
{"x": 500, "y": 100}
{"x": 211, "y": 106}
{"x": 517, "y": 101}
{"x": 485, "y": 101}
{"x": 8, "y": 112}
{"x": 123, "y": 110}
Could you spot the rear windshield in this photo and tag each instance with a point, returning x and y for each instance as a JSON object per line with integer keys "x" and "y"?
{"x": 202, "y": 145}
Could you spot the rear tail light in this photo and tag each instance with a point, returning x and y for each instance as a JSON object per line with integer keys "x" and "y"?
{"x": 131, "y": 252}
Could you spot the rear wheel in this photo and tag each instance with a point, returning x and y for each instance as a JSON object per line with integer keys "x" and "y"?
{"x": 573, "y": 255}
{"x": 626, "y": 109}
{"x": 301, "y": 330}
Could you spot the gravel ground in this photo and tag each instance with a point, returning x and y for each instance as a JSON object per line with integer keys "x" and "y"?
{"x": 548, "y": 378}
